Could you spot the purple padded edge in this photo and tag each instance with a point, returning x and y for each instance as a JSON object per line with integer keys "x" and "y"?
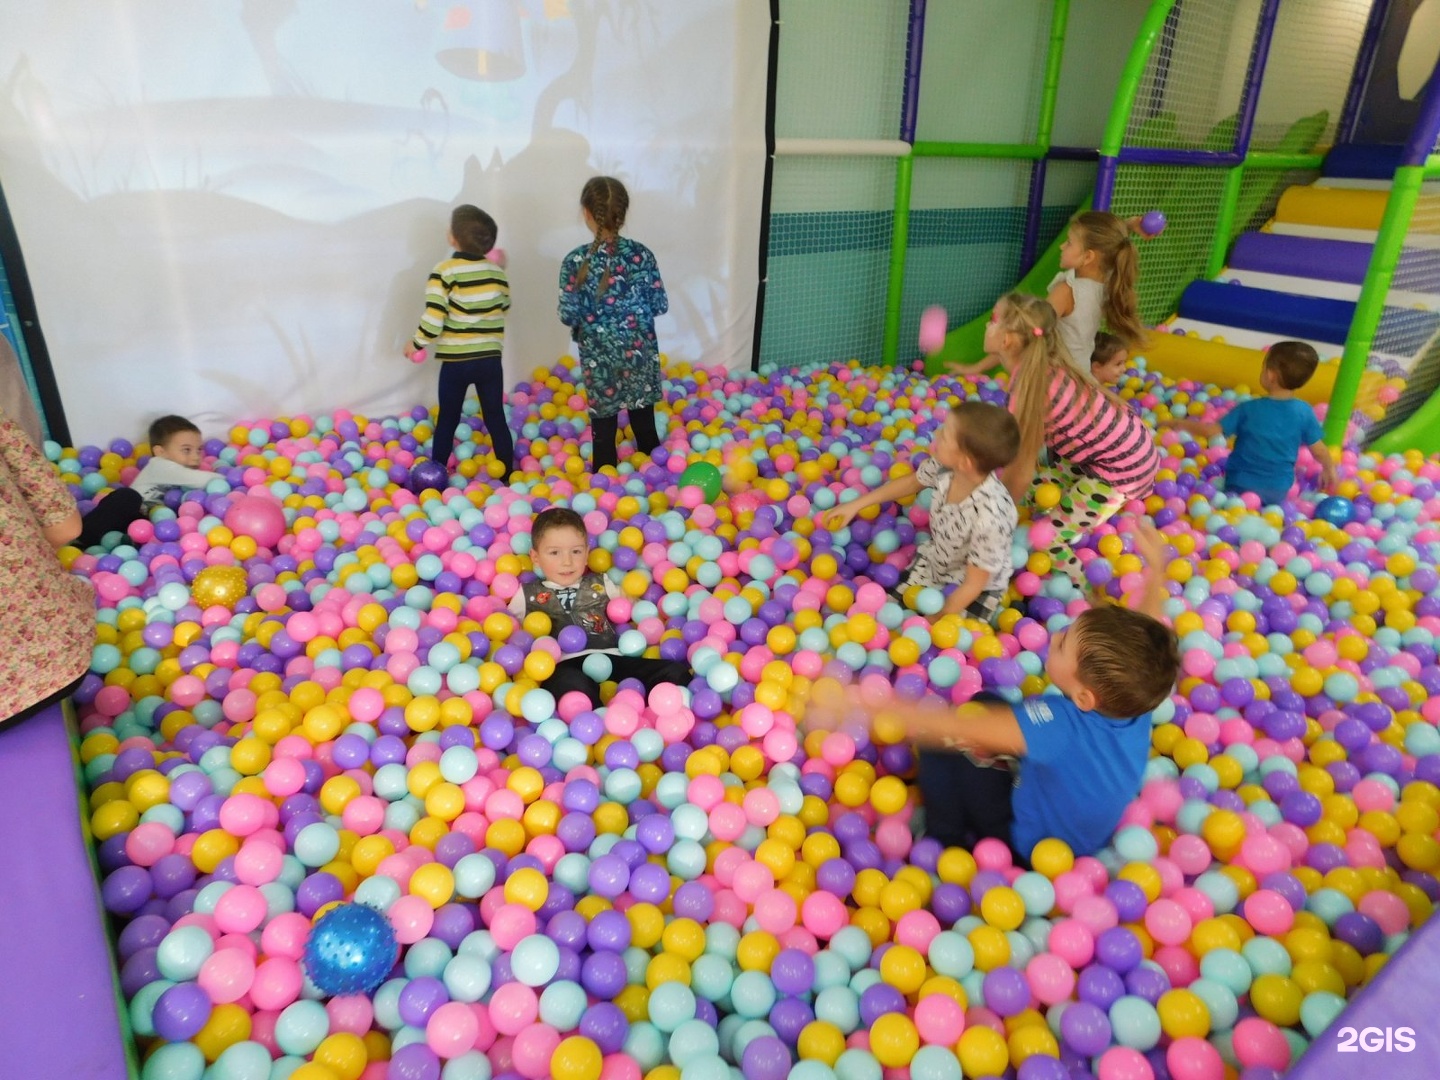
{"x": 1301, "y": 256}
{"x": 1405, "y": 993}
{"x": 57, "y": 996}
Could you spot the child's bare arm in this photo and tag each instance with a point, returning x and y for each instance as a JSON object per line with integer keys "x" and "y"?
{"x": 1150, "y": 546}
{"x": 1062, "y": 299}
{"x": 837, "y": 517}
{"x": 1327, "y": 464}
{"x": 967, "y": 592}
{"x": 988, "y": 728}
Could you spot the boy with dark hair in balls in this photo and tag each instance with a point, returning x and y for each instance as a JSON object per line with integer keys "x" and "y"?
{"x": 1269, "y": 431}
{"x": 571, "y": 594}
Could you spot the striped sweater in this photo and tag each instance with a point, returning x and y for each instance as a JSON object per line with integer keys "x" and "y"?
{"x": 466, "y": 298}
{"x": 1101, "y": 439}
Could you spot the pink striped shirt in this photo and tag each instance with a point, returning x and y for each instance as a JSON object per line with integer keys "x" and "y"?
{"x": 1101, "y": 439}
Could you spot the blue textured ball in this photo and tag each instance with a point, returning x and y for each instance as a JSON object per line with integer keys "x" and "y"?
{"x": 350, "y": 950}
{"x": 1335, "y": 509}
{"x": 428, "y": 474}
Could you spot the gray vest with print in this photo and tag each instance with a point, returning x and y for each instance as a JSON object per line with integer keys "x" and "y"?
{"x": 587, "y": 611}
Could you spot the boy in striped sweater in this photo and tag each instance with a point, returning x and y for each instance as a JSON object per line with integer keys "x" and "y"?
{"x": 466, "y": 298}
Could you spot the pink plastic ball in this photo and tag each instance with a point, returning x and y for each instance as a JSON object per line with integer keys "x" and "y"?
{"x": 412, "y": 917}
{"x": 824, "y": 914}
{"x": 1123, "y": 1063}
{"x": 511, "y": 924}
{"x": 1258, "y": 1042}
{"x": 226, "y": 975}
{"x": 452, "y": 1029}
{"x": 1268, "y": 912}
{"x": 260, "y": 518}
{"x": 1192, "y": 1058}
{"x": 533, "y": 1049}
{"x": 513, "y": 1007}
{"x": 940, "y": 1020}
{"x": 1051, "y": 978}
{"x": 1167, "y": 922}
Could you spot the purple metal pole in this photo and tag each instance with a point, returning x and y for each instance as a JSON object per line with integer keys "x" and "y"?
{"x": 914, "y": 53}
{"x": 1360, "y": 76}
{"x": 1250, "y": 97}
{"x": 1105, "y": 181}
{"x": 1033, "y": 207}
{"x": 1427, "y": 125}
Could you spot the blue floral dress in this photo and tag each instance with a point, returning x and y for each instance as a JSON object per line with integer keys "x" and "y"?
{"x": 615, "y": 332}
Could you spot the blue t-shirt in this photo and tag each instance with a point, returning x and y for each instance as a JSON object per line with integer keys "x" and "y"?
{"x": 1268, "y": 435}
{"x": 1079, "y": 772}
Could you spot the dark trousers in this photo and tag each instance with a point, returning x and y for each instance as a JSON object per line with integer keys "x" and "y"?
{"x": 570, "y": 675}
{"x": 114, "y": 513}
{"x": 488, "y": 378}
{"x": 604, "y": 429}
{"x": 965, "y": 802}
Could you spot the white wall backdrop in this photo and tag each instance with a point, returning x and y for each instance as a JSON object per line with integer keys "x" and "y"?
{"x": 228, "y": 208}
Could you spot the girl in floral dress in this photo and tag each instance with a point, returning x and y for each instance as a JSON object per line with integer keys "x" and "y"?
{"x": 610, "y": 293}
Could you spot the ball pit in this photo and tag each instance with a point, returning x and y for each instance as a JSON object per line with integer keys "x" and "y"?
{"x": 676, "y": 885}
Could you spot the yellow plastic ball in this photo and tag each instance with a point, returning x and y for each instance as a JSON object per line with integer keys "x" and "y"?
{"x": 894, "y": 1040}
{"x": 1277, "y": 998}
{"x": 1002, "y": 908}
{"x": 1052, "y": 857}
{"x": 982, "y": 1051}
{"x": 1183, "y": 1013}
{"x": 576, "y": 1058}
{"x": 434, "y": 883}
{"x": 527, "y": 887}
{"x": 903, "y": 968}
{"x": 820, "y": 1041}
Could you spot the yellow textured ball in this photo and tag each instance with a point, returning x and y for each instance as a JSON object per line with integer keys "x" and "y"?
{"x": 219, "y": 586}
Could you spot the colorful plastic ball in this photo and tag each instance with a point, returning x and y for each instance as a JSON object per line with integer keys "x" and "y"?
{"x": 1152, "y": 223}
{"x": 260, "y": 518}
{"x": 702, "y": 475}
{"x": 1335, "y": 509}
{"x": 219, "y": 586}
{"x": 932, "y": 330}
{"x": 428, "y": 475}
{"x": 351, "y": 950}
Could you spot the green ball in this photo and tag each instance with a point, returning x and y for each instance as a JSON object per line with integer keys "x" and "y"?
{"x": 703, "y": 475}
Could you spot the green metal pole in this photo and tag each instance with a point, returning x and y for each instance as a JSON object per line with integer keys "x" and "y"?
{"x": 1269, "y": 159}
{"x": 1404, "y": 193}
{"x": 1224, "y": 221}
{"x": 899, "y": 239}
{"x": 1053, "y": 57}
{"x": 1150, "y": 31}
{"x": 929, "y": 148}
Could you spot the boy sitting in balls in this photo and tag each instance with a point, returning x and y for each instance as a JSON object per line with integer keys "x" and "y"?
{"x": 576, "y": 600}
{"x": 175, "y": 456}
{"x": 972, "y": 516}
{"x": 1269, "y": 431}
{"x": 1076, "y": 756}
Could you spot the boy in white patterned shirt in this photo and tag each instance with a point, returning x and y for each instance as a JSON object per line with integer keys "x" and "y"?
{"x": 972, "y": 515}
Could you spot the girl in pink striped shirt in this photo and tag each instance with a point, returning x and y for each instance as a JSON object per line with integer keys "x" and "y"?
{"x": 1100, "y": 454}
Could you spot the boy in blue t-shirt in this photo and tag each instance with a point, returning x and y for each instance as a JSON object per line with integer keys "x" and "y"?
{"x": 1079, "y": 754}
{"x": 1269, "y": 431}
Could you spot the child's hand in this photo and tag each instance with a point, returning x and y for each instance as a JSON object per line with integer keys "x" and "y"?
{"x": 1327, "y": 475}
{"x": 416, "y": 356}
{"x": 1150, "y": 544}
{"x": 837, "y": 517}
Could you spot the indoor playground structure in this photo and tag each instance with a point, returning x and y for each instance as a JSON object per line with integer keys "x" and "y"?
{"x": 1293, "y": 212}
{"x": 312, "y": 816}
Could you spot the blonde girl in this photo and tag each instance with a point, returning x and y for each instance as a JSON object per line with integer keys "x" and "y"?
{"x": 1100, "y": 453}
{"x": 1098, "y": 272}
